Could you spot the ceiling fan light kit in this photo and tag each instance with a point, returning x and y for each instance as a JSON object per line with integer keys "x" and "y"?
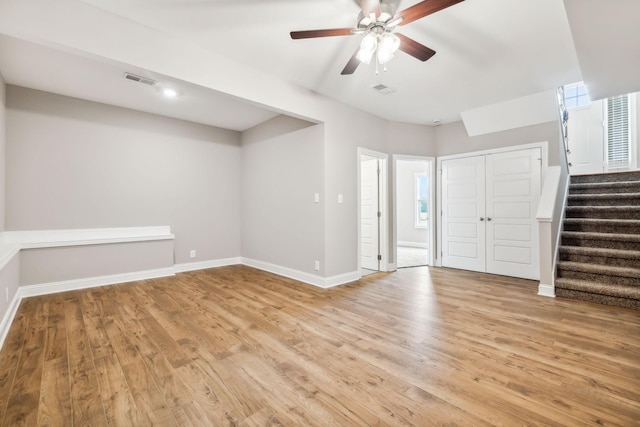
{"x": 377, "y": 21}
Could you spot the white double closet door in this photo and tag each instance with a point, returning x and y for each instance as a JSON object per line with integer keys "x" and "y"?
{"x": 489, "y": 205}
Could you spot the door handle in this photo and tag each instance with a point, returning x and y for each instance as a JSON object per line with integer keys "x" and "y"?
{"x": 488, "y": 218}
{"x": 481, "y": 219}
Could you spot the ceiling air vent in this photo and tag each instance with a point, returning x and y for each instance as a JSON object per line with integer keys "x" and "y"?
{"x": 385, "y": 90}
{"x": 140, "y": 79}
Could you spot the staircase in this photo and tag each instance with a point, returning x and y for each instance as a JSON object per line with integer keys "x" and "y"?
{"x": 600, "y": 249}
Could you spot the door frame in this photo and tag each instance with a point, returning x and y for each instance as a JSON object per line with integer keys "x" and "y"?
{"x": 383, "y": 236}
{"x": 433, "y": 218}
{"x": 544, "y": 150}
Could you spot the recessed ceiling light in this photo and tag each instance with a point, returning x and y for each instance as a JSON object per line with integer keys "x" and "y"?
{"x": 169, "y": 92}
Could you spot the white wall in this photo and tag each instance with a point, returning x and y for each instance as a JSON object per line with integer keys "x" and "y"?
{"x": 452, "y": 139}
{"x": 79, "y": 164}
{"x": 406, "y": 201}
{"x": 282, "y": 169}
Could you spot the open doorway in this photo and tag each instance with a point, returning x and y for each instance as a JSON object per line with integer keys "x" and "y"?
{"x": 372, "y": 212}
{"x": 413, "y": 205}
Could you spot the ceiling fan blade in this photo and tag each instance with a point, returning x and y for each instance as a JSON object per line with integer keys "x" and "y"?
{"x": 370, "y": 6}
{"x": 414, "y": 48}
{"x": 422, "y": 9}
{"x": 310, "y": 34}
{"x": 351, "y": 66}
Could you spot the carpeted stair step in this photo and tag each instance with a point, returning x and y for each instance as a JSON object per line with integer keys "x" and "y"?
{"x": 603, "y": 225}
{"x": 605, "y": 187}
{"x": 605, "y": 274}
{"x": 599, "y": 257}
{"x": 613, "y": 257}
{"x": 628, "y": 242}
{"x": 605, "y": 212}
{"x": 601, "y": 293}
{"x": 605, "y": 199}
{"x": 608, "y": 177}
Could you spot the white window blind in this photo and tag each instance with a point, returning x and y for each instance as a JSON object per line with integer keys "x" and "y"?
{"x": 618, "y": 143}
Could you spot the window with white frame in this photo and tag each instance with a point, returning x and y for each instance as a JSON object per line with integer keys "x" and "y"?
{"x": 619, "y": 132}
{"x": 422, "y": 205}
{"x": 575, "y": 96}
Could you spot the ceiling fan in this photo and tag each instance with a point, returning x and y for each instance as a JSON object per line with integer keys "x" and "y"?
{"x": 376, "y": 22}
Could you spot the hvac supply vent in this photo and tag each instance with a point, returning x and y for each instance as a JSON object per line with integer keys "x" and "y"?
{"x": 140, "y": 79}
{"x": 384, "y": 90}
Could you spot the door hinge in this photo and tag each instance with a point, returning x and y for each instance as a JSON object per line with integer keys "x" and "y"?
{"x": 379, "y": 214}
{"x": 379, "y": 257}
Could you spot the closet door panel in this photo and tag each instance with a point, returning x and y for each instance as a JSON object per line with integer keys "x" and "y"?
{"x": 513, "y": 192}
{"x": 463, "y": 200}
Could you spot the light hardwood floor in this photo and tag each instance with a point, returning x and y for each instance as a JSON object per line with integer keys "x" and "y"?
{"x": 236, "y": 346}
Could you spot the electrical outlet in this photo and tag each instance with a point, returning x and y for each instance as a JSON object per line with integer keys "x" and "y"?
{"x": 317, "y": 266}
{"x": 192, "y": 254}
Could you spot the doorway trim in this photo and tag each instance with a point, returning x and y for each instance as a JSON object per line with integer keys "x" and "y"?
{"x": 432, "y": 205}
{"x": 384, "y": 207}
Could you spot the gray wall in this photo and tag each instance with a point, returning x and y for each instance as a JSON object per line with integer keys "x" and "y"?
{"x": 79, "y": 164}
{"x": 50, "y": 265}
{"x": 3, "y": 127}
{"x": 452, "y": 139}
{"x": 282, "y": 161}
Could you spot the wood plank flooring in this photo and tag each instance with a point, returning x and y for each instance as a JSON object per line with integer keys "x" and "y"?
{"x": 240, "y": 347}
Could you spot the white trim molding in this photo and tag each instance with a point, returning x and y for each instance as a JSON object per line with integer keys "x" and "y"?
{"x": 91, "y": 282}
{"x": 7, "y": 320}
{"x": 422, "y": 245}
{"x": 11, "y": 242}
{"x": 545, "y": 290}
{"x": 301, "y": 276}
{"x": 203, "y": 265}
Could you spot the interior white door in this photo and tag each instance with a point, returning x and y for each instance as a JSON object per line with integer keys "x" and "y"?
{"x": 586, "y": 139}
{"x": 513, "y": 193}
{"x": 463, "y": 206}
{"x": 369, "y": 208}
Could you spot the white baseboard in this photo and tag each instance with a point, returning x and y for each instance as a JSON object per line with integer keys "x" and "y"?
{"x": 91, "y": 282}
{"x": 414, "y": 244}
{"x": 202, "y": 265}
{"x": 546, "y": 290}
{"x": 7, "y": 320}
{"x": 341, "y": 279}
{"x": 301, "y": 276}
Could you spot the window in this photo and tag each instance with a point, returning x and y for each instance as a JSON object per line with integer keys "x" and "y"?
{"x": 575, "y": 95}
{"x": 422, "y": 206}
{"x": 618, "y": 133}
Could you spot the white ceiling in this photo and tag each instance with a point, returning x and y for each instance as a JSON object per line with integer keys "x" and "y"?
{"x": 488, "y": 51}
{"x": 35, "y": 66}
